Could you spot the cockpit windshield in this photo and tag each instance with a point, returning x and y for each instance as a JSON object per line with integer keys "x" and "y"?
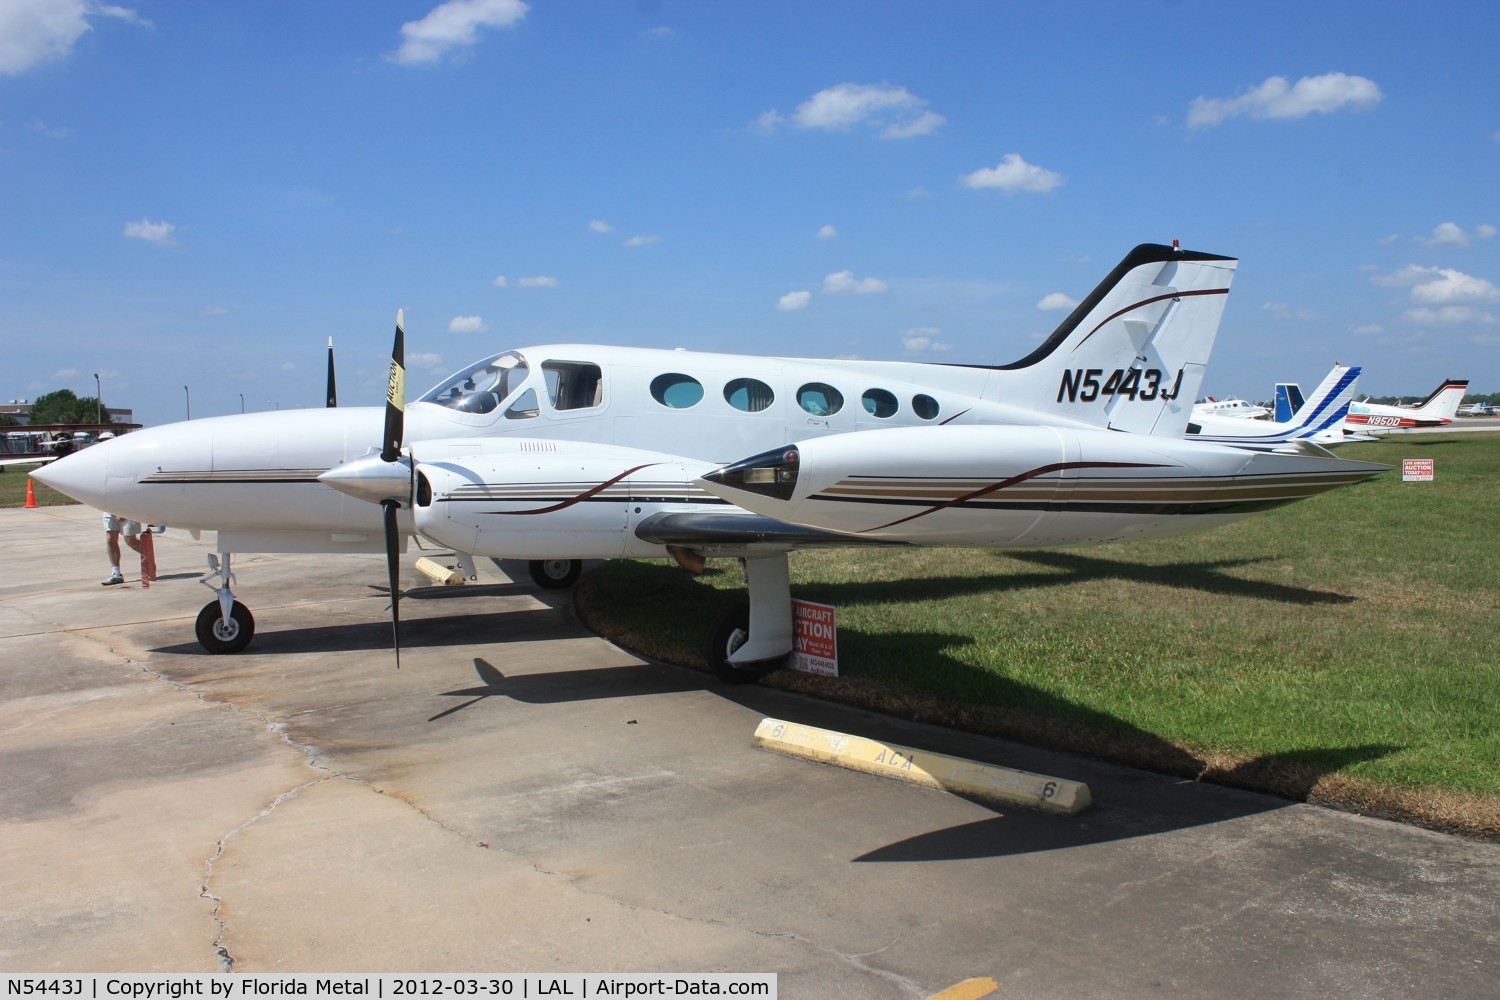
{"x": 481, "y": 388}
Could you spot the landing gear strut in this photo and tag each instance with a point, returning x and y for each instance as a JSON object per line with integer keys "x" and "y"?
{"x": 224, "y": 625}
{"x": 748, "y": 641}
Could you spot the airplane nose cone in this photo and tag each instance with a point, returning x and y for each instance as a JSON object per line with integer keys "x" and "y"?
{"x": 81, "y": 475}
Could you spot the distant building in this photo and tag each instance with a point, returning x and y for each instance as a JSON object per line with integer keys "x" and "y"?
{"x": 21, "y": 410}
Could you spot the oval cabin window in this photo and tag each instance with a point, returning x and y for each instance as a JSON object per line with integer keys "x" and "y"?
{"x": 676, "y": 390}
{"x": 820, "y": 399}
{"x": 880, "y": 403}
{"x": 924, "y": 406}
{"x": 748, "y": 394}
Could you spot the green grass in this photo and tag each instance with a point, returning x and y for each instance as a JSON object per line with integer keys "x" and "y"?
{"x": 1343, "y": 649}
{"x": 13, "y": 488}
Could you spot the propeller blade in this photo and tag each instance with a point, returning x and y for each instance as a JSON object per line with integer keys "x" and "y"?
{"x": 395, "y": 396}
{"x": 393, "y": 567}
{"x": 333, "y": 396}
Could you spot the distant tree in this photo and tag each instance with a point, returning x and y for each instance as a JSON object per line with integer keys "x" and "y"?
{"x": 65, "y": 407}
{"x": 6, "y": 420}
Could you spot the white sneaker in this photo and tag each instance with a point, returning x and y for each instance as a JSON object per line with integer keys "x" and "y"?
{"x": 115, "y": 579}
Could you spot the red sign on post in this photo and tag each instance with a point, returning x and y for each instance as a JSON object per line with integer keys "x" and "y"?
{"x": 1416, "y": 470}
{"x": 814, "y": 639}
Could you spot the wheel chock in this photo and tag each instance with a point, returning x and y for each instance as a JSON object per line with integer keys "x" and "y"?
{"x": 438, "y": 573}
{"x": 990, "y": 782}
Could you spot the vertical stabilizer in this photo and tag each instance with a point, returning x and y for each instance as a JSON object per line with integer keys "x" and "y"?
{"x": 1288, "y": 401}
{"x": 1131, "y": 356}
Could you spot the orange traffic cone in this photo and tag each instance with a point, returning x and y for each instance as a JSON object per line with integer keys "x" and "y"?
{"x": 30, "y": 492}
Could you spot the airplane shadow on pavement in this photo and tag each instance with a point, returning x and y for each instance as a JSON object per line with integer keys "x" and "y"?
{"x": 1128, "y": 803}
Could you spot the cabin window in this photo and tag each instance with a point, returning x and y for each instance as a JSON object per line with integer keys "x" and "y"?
{"x": 573, "y": 385}
{"x": 676, "y": 390}
{"x": 924, "y": 406}
{"x": 820, "y": 399}
{"x": 523, "y": 407}
{"x": 880, "y": 403}
{"x": 749, "y": 394}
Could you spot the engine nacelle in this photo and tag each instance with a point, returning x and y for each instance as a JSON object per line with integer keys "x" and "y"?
{"x": 1000, "y": 487}
{"x": 540, "y": 499}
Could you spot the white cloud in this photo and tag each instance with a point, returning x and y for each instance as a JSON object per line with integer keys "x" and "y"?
{"x": 1367, "y": 329}
{"x": 540, "y": 281}
{"x": 1056, "y": 301}
{"x": 213, "y": 311}
{"x": 467, "y": 324}
{"x": 1276, "y": 98}
{"x": 287, "y": 366}
{"x": 916, "y": 193}
{"x": 424, "y": 361}
{"x": 50, "y": 131}
{"x": 159, "y": 233}
{"x": 63, "y": 374}
{"x": 827, "y": 233}
{"x": 844, "y": 283}
{"x": 1013, "y": 174}
{"x": 33, "y": 32}
{"x": 922, "y": 339}
{"x": 1454, "y": 287}
{"x": 642, "y": 241}
{"x": 1282, "y": 311}
{"x": 1389, "y": 240}
{"x": 894, "y": 111}
{"x": 1450, "y": 316}
{"x": 454, "y": 27}
{"x": 500, "y": 281}
{"x": 600, "y": 226}
{"x": 792, "y": 301}
{"x": 1452, "y": 234}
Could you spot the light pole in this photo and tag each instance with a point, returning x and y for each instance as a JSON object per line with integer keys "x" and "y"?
{"x": 242, "y": 402}
{"x": 188, "y": 400}
{"x": 98, "y": 403}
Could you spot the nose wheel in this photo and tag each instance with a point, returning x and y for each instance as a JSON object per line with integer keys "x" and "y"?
{"x": 219, "y": 634}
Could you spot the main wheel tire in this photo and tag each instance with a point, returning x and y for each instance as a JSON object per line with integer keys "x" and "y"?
{"x": 220, "y": 635}
{"x": 555, "y": 574}
{"x": 729, "y": 632}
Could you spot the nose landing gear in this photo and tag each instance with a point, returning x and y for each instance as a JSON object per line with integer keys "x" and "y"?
{"x": 224, "y": 625}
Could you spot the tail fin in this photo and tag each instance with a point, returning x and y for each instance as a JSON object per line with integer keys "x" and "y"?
{"x": 1130, "y": 357}
{"x": 1320, "y": 420}
{"x": 1288, "y": 401}
{"x": 1443, "y": 403}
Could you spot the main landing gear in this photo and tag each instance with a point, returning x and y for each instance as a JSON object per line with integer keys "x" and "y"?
{"x": 750, "y": 640}
{"x": 224, "y": 625}
{"x": 555, "y": 574}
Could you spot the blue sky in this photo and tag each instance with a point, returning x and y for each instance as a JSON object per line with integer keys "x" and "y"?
{"x": 201, "y": 193}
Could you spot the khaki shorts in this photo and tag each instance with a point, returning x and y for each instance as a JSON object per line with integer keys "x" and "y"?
{"x": 131, "y": 528}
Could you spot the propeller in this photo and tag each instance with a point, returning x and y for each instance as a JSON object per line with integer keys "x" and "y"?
{"x": 385, "y": 478}
{"x": 390, "y": 453}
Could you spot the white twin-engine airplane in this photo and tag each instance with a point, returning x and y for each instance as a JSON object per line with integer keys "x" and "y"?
{"x": 561, "y": 453}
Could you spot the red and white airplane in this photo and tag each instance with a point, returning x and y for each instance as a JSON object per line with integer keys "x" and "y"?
{"x": 561, "y": 453}
{"x": 1434, "y": 411}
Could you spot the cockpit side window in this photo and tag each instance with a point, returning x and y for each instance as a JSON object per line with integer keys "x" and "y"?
{"x": 523, "y": 407}
{"x": 573, "y": 385}
{"x": 483, "y": 387}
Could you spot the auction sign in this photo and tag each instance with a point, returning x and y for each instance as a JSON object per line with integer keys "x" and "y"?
{"x": 815, "y": 647}
{"x": 1416, "y": 470}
